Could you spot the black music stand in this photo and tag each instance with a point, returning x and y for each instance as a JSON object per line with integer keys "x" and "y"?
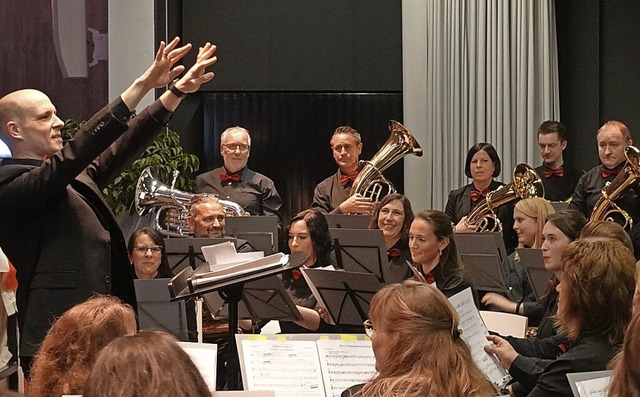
{"x": 200, "y": 282}
{"x": 360, "y": 250}
{"x": 342, "y": 221}
{"x": 157, "y": 311}
{"x": 187, "y": 251}
{"x": 483, "y": 253}
{"x": 534, "y": 268}
{"x": 260, "y": 231}
{"x": 345, "y": 295}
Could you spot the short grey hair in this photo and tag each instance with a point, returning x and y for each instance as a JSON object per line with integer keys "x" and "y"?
{"x": 236, "y": 129}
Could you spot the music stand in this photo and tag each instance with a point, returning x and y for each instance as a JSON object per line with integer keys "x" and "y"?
{"x": 231, "y": 289}
{"x": 534, "y": 268}
{"x": 157, "y": 311}
{"x": 187, "y": 252}
{"x": 559, "y": 205}
{"x": 345, "y": 295}
{"x": 483, "y": 253}
{"x": 260, "y": 231}
{"x": 342, "y": 221}
{"x": 360, "y": 250}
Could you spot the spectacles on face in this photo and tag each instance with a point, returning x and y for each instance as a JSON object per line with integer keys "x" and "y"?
{"x": 368, "y": 328}
{"x": 141, "y": 249}
{"x": 232, "y": 147}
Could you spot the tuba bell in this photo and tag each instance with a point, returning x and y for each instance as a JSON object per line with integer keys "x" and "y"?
{"x": 370, "y": 182}
{"x": 172, "y": 204}
{"x": 526, "y": 183}
{"x": 606, "y": 208}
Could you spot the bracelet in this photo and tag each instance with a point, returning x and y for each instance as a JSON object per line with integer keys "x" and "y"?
{"x": 518, "y": 308}
{"x": 172, "y": 87}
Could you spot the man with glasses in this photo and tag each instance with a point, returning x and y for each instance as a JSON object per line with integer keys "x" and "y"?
{"x": 234, "y": 181}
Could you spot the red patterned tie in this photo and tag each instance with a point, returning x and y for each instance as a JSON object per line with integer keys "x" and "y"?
{"x": 548, "y": 172}
{"x": 393, "y": 253}
{"x": 344, "y": 179}
{"x": 607, "y": 172}
{"x": 476, "y": 195}
{"x": 224, "y": 177}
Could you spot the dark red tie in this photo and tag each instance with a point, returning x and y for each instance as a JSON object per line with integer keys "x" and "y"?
{"x": 429, "y": 278}
{"x": 548, "y": 172}
{"x": 344, "y": 179}
{"x": 296, "y": 274}
{"x": 476, "y": 195}
{"x": 224, "y": 177}
{"x": 393, "y": 253}
{"x": 607, "y": 172}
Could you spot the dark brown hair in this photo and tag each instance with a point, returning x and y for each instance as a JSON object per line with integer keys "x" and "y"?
{"x": 491, "y": 151}
{"x": 408, "y": 215}
{"x": 552, "y": 126}
{"x": 164, "y": 270}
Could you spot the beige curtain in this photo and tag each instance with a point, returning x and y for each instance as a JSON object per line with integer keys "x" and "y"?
{"x": 475, "y": 71}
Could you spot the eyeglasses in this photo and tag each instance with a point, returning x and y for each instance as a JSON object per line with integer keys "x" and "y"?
{"x": 155, "y": 249}
{"x": 368, "y": 328}
{"x": 232, "y": 147}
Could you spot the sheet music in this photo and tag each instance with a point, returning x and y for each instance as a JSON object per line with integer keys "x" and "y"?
{"x": 593, "y": 387}
{"x": 291, "y": 368}
{"x": 474, "y": 333}
{"x": 204, "y": 356}
{"x": 266, "y": 263}
{"x": 345, "y": 363}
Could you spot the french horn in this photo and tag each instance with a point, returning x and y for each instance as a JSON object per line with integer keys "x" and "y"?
{"x": 172, "y": 205}
{"x": 370, "y": 182}
{"x": 526, "y": 183}
{"x": 606, "y": 208}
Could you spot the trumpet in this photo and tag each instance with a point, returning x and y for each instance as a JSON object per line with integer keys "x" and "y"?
{"x": 526, "y": 183}
{"x": 606, "y": 208}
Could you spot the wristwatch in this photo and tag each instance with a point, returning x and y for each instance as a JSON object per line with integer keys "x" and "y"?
{"x": 172, "y": 87}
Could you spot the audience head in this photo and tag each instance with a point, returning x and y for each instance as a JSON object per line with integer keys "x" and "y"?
{"x": 149, "y": 363}
{"x": 552, "y": 141}
{"x": 416, "y": 342}
{"x": 393, "y": 215}
{"x": 625, "y": 380}
{"x": 29, "y": 124}
{"x": 148, "y": 254}
{"x": 605, "y": 230}
{"x": 596, "y": 289}
{"x": 308, "y": 232}
{"x": 235, "y": 147}
{"x": 346, "y": 145}
{"x": 529, "y": 217}
{"x": 65, "y": 358}
{"x": 559, "y": 231}
{"x": 206, "y": 216}
{"x": 613, "y": 137}
{"x": 482, "y": 163}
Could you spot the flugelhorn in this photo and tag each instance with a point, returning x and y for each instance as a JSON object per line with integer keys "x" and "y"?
{"x": 172, "y": 204}
{"x": 605, "y": 207}
{"x": 370, "y": 182}
{"x": 526, "y": 183}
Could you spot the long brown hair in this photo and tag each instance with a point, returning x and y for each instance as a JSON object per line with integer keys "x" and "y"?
{"x": 422, "y": 329}
{"x": 65, "y": 358}
{"x": 625, "y": 381}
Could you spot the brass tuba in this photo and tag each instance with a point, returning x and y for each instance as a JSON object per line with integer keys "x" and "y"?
{"x": 370, "y": 182}
{"x": 606, "y": 207}
{"x": 171, "y": 216}
{"x": 526, "y": 183}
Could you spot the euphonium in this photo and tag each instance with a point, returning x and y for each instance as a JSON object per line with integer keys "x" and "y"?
{"x": 370, "y": 182}
{"x": 526, "y": 183}
{"x": 171, "y": 216}
{"x": 606, "y": 207}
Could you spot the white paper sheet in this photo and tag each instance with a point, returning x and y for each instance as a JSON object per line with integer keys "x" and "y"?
{"x": 204, "y": 356}
{"x": 345, "y": 363}
{"x": 593, "y": 387}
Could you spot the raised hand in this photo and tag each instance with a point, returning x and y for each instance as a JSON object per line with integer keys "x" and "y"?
{"x": 162, "y": 70}
{"x": 196, "y": 75}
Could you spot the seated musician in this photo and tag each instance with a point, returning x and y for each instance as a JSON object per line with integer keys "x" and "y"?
{"x": 416, "y": 342}
{"x": 559, "y": 179}
{"x": 148, "y": 255}
{"x": 613, "y": 137}
{"x": 234, "y": 181}
{"x": 393, "y": 215}
{"x": 594, "y": 308}
{"x": 333, "y": 195}
{"x": 481, "y": 165}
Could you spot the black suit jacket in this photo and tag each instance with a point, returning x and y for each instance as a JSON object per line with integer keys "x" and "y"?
{"x": 55, "y": 226}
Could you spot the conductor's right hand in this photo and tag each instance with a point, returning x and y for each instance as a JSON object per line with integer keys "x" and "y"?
{"x": 357, "y": 204}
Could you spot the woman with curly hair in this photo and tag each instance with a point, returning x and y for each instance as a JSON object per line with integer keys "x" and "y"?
{"x": 65, "y": 358}
{"x": 416, "y": 341}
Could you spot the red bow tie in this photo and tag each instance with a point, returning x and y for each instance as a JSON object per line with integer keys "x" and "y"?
{"x": 548, "y": 172}
{"x": 607, "y": 173}
{"x": 393, "y": 253}
{"x": 296, "y": 274}
{"x": 428, "y": 278}
{"x": 476, "y": 195}
{"x": 224, "y": 177}
{"x": 344, "y": 179}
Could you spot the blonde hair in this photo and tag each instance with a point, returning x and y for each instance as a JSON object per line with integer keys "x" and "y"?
{"x": 422, "y": 330}
{"x": 539, "y": 209}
